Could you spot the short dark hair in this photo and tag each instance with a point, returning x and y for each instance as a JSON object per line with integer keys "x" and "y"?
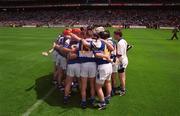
{"x": 82, "y": 28}
{"x": 90, "y": 27}
{"x": 118, "y": 32}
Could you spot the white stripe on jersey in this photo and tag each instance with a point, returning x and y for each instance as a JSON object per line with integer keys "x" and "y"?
{"x": 86, "y": 52}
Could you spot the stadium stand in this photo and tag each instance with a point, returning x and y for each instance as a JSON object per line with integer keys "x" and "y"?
{"x": 46, "y": 13}
{"x": 89, "y": 17}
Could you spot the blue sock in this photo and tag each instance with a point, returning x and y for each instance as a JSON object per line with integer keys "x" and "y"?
{"x": 102, "y": 102}
{"x": 65, "y": 97}
{"x": 83, "y": 100}
{"x": 92, "y": 98}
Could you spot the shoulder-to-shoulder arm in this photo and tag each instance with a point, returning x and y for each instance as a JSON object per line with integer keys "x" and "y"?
{"x": 109, "y": 46}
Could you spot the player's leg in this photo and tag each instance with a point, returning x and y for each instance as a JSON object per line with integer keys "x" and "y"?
{"x": 113, "y": 79}
{"x": 83, "y": 88}
{"x": 60, "y": 75}
{"x": 63, "y": 78}
{"x": 108, "y": 83}
{"x": 102, "y": 104}
{"x": 100, "y": 92}
{"x": 67, "y": 88}
{"x": 58, "y": 68}
{"x": 63, "y": 65}
{"x": 83, "y": 91}
{"x": 108, "y": 91}
{"x": 84, "y": 78}
{"x": 77, "y": 68}
{"x": 68, "y": 82}
{"x": 122, "y": 78}
{"x": 92, "y": 69}
{"x": 113, "y": 82}
{"x": 100, "y": 80}
{"x": 76, "y": 85}
{"x": 92, "y": 91}
{"x": 55, "y": 72}
{"x": 173, "y": 37}
{"x": 60, "y": 71}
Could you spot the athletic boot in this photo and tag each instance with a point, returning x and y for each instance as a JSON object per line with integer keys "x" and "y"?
{"x": 102, "y": 105}
{"x": 61, "y": 88}
{"x": 107, "y": 99}
{"x": 92, "y": 101}
{"x": 83, "y": 104}
{"x": 113, "y": 92}
{"x": 122, "y": 92}
{"x": 65, "y": 100}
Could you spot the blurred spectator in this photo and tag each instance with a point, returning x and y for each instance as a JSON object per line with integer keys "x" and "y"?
{"x": 147, "y": 18}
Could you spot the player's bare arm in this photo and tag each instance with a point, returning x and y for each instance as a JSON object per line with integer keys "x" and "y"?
{"x": 67, "y": 50}
{"x": 109, "y": 46}
{"x": 100, "y": 55}
{"x": 84, "y": 42}
{"x": 75, "y": 37}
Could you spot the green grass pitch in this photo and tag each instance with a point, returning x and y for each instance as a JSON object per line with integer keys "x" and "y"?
{"x": 153, "y": 75}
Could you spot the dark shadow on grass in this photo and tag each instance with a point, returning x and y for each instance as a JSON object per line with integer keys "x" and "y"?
{"x": 171, "y": 39}
{"x": 43, "y": 85}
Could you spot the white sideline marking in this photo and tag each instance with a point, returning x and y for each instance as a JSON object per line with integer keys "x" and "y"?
{"x": 38, "y": 102}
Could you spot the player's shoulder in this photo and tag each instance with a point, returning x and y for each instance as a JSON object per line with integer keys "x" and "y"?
{"x": 89, "y": 39}
{"x": 121, "y": 41}
{"x": 60, "y": 38}
{"x": 111, "y": 41}
{"x": 67, "y": 42}
{"x": 97, "y": 44}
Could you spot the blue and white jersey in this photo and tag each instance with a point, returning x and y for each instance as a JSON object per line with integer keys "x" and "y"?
{"x": 67, "y": 43}
{"x": 86, "y": 54}
{"x": 57, "y": 41}
{"x": 61, "y": 40}
{"x": 113, "y": 53}
{"x": 70, "y": 44}
{"x": 100, "y": 47}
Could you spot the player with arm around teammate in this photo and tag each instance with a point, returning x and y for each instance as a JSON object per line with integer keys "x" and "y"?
{"x": 88, "y": 69}
{"x": 104, "y": 68}
{"x": 61, "y": 58}
{"x": 88, "y": 65}
{"x": 101, "y": 50}
{"x": 73, "y": 64}
{"x": 114, "y": 65}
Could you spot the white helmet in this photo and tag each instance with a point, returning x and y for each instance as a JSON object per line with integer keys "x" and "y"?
{"x": 99, "y": 29}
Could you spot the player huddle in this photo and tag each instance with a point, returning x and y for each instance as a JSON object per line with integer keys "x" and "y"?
{"x": 89, "y": 55}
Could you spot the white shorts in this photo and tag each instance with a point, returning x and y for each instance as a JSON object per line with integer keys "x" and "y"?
{"x": 73, "y": 70}
{"x": 114, "y": 67}
{"x": 123, "y": 64}
{"x": 88, "y": 69}
{"x": 61, "y": 62}
{"x": 104, "y": 73}
{"x": 54, "y": 56}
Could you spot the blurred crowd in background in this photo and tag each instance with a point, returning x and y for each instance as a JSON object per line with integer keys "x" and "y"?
{"x": 149, "y": 18}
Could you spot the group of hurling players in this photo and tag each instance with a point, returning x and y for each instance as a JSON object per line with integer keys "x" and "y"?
{"x": 88, "y": 57}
